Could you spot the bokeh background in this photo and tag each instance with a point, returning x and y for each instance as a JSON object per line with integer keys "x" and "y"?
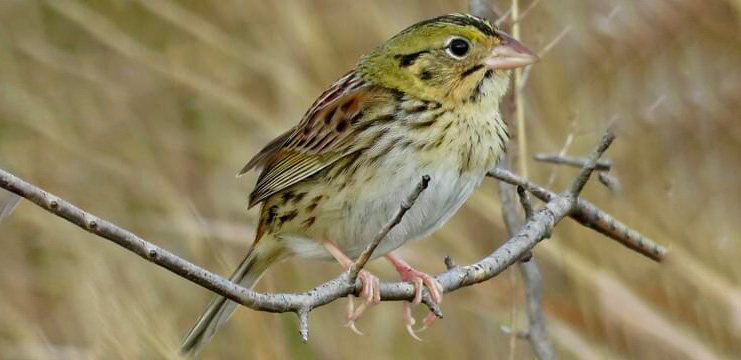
{"x": 142, "y": 111}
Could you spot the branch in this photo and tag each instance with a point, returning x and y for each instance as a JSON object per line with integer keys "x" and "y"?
{"x": 524, "y": 240}
{"x": 602, "y": 165}
{"x": 590, "y": 216}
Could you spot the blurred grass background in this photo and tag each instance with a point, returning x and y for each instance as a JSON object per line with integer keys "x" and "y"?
{"x": 142, "y": 111}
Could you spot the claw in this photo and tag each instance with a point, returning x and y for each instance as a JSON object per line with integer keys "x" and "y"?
{"x": 370, "y": 295}
{"x": 420, "y": 280}
{"x": 370, "y": 292}
{"x": 351, "y": 325}
{"x": 409, "y": 321}
{"x": 427, "y": 322}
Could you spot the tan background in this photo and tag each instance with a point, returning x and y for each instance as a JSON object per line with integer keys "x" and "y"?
{"x": 142, "y": 112}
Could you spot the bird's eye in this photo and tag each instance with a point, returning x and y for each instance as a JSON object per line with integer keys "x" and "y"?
{"x": 458, "y": 48}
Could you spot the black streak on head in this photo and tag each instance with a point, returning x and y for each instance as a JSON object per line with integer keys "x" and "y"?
{"x": 471, "y": 70}
{"x": 406, "y": 60}
{"x": 477, "y": 91}
{"x": 462, "y": 20}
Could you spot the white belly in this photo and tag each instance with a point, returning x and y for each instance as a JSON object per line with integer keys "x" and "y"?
{"x": 446, "y": 193}
{"x": 359, "y": 221}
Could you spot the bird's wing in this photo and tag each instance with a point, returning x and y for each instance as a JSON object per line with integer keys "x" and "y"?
{"x": 323, "y": 136}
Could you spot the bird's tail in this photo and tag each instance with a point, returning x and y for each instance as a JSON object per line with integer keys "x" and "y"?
{"x": 220, "y": 309}
{"x": 8, "y": 201}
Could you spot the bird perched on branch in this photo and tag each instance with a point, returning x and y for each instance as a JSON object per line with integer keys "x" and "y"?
{"x": 424, "y": 102}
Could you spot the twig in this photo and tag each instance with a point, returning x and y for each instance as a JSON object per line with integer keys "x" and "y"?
{"x": 611, "y": 182}
{"x": 395, "y": 220}
{"x": 588, "y": 169}
{"x": 590, "y": 216}
{"x": 602, "y": 165}
{"x": 525, "y": 202}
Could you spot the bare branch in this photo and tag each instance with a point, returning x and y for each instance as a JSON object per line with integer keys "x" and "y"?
{"x": 539, "y": 227}
{"x": 510, "y": 252}
{"x": 602, "y": 165}
{"x": 589, "y": 215}
{"x": 395, "y": 220}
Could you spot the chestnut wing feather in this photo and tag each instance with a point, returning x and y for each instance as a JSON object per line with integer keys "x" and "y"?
{"x": 323, "y": 136}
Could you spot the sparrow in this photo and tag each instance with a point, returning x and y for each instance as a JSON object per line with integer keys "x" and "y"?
{"x": 425, "y": 102}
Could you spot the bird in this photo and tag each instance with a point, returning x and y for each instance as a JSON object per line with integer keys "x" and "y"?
{"x": 425, "y": 102}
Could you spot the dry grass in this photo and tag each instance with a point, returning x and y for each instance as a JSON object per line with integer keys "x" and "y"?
{"x": 142, "y": 113}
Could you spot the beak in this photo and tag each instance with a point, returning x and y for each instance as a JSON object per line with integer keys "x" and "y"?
{"x": 510, "y": 54}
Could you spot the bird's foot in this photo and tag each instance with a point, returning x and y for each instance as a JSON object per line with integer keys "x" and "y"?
{"x": 370, "y": 295}
{"x": 370, "y": 292}
{"x": 420, "y": 280}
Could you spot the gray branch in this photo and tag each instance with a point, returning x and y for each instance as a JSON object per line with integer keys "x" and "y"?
{"x": 590, "y": 216}
{"x": 539, "y": 227}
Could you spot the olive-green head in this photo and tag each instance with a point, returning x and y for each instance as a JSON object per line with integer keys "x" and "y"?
{"x": 446, "y": 59}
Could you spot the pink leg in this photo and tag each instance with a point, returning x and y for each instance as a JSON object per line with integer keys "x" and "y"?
{"x": 371, "y": 287}
{"x": 420, "y": 280}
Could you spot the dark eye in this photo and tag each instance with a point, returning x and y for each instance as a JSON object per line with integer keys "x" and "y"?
{"x": 458, "y": 48}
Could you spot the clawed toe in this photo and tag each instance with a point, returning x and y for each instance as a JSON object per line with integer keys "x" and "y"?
{"x": 420, "y": 280}
{"x": 409, "y": 321}
{"x": 370, "y": 295}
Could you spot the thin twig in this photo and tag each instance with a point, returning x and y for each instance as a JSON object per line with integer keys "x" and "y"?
{"x": 525, "y": 202}
{"x": 602, "y": 165}
{"x": 588, "y": 169}
{"x": 610, "y": 182}
{"x": 395, "y": 220}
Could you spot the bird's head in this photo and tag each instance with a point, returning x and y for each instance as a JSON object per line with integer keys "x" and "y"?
{"x": 451, "y": 58}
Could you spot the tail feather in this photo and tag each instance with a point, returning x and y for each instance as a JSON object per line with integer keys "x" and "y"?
{"x": 8, "y": 201}
{"x": 220, "y": 309}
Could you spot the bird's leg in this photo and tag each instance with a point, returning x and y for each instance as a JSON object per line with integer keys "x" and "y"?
{"x": 419, "y": 280}
{"x": 370, "y": 293}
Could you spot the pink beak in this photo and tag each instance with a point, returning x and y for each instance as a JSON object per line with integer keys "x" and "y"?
{"x": 510, "y": 54}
